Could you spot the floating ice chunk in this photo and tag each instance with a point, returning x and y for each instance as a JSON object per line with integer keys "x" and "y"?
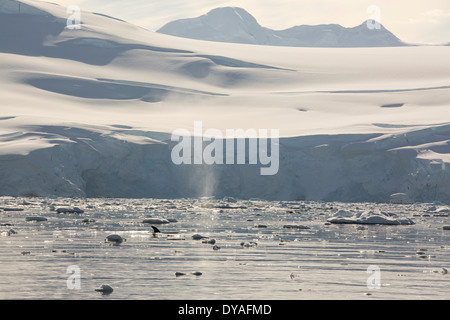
{"x": 344, "y": 214}
{"x": 175, "y": 236}
{"x": 440, "y": 271}
{"x": 295, "y": 226}
{"x": 250, "y": 244}
{"x": 370, "y": 217}
{"x": 38, "y": 219}
{"x": 115, "y": 238}
{"x": 8, "y": 233}
{"x": 155, "y": 221}
{"x": 441, "y": 212}
{"x": 229, "y": 199}
{"x": 12, "y": 209}
{"x": 70, "y": 210}
{"x": 400, "y": 198}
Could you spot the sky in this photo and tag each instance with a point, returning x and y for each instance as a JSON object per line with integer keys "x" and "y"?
{"x": 413, "y": 21}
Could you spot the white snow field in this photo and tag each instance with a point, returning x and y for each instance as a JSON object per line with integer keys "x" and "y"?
{"x": 89, "y": 112}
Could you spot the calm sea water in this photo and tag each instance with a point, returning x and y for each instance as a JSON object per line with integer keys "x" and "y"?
{"x": 256, "y": 255}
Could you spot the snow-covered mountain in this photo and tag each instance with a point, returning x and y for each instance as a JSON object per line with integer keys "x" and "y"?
{"x": 90, "y": 112}
{"x": 223, "y": 24}
{"x": 235, "y": 25}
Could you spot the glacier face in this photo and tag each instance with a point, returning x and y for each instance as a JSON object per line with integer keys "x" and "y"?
{"x": 340, "y": 168}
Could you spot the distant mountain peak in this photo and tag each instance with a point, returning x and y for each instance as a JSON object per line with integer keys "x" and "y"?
{"x": 229, "y": 16}
{"x": 236, "y": 25}
{"x": 224, "y": 24}
{"x": 230, "y": 10}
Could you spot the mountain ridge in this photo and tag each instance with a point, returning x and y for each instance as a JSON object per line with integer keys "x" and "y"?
{"x": 236, "y": 25}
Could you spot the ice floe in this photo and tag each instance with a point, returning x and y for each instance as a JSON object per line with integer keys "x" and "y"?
{"x": 38, "y": 219}
{"x": 115, "y": 238}
{"x": 155, "y": 221}
{"x": 369, "y": 217}
{"x": 70, "y": 210}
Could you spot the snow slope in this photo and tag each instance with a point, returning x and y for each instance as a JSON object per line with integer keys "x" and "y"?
{"x": 90, "y": 112}
{"x": 232, "y": 24}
